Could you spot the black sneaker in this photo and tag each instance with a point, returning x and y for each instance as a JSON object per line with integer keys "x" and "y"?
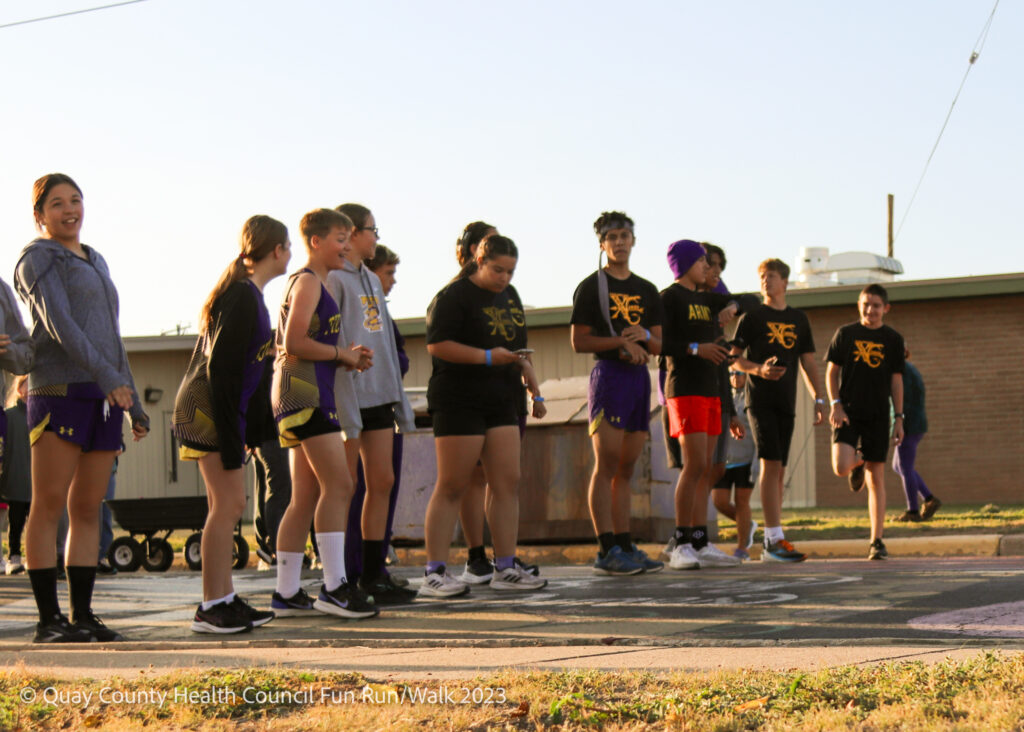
{"x": 531, "y": 568}
{"x": 99, "y": 631}
{"x": 256, "y": 617}
{"x": 856, "y": 478}
{"x": 59, "y": 630}
{"x": 224, "y": 617}
{"x": 909, "y": 517}
{"x": 878, "y": 550}
{"x": 477, "y": 572}
{"x": 346, "y": 601}
{"x": 385, "y": 592}
{"x": 105, "y": 567}
{"x": 932, "y": 505}
{"x": 297, "y": 605}
{"x": 396, "y": 580}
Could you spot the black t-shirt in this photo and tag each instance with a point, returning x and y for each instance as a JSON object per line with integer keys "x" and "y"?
{"x": 785, "y": 334}
{"x": 632, "y": 301}
{"x": 867, "y": 359}
{"x": 690, "y": 317}
{"x": 473, "y": 316}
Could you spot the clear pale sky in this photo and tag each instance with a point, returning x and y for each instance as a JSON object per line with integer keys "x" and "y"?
{"x": 762, "y": 127}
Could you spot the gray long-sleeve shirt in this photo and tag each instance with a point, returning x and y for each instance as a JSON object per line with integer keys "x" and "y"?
{"x": 75, "y": 325}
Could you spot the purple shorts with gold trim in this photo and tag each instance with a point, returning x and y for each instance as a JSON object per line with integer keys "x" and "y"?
{"x": 78, "y": 413}
{"x": 620, "y": 394}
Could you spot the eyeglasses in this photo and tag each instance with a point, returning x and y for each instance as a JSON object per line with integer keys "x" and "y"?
{"x": 374, "y": 229}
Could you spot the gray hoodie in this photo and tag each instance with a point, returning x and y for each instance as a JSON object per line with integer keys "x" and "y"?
{"x": 365, "y": 321}
{"x": 20, "y": 352}
{"x": 75, "y": 325}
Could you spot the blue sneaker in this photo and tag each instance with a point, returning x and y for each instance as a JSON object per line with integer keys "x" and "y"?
{"x": 781, "y": 551}
{"x": 650, "y": 565}
{"x": 617, "y": 562}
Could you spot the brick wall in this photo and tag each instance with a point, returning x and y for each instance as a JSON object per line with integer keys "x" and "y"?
{"x": 970, "y": 352}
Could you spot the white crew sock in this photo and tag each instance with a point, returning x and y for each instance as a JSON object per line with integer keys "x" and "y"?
{"x": 332, "y": 555}
{"x": 773, "y": 534}
{"x": 289, "y": 573}
{"x": 207, "y": 604}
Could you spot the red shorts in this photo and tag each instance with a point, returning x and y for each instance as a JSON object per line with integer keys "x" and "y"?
{"x": 688, "y": 415}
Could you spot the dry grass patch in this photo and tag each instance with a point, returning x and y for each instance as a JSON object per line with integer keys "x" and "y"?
{"x": 984, "y": 693}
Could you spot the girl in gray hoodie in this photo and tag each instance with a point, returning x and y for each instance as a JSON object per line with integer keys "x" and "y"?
{"x": 79, "y": 389}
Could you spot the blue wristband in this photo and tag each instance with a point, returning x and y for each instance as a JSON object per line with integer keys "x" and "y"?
{"x": 538, "y": 399}
{"x": 648, "y": 333}
{"x": 487, "y": 356}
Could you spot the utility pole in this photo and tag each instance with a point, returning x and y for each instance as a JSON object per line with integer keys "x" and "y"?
{"x": 891, "y": 200}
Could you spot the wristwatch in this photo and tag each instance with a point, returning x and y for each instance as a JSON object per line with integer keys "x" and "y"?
{"x": 692, "y": 348}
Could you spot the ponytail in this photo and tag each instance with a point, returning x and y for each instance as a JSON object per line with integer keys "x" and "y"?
{"x": 260, "y": 236}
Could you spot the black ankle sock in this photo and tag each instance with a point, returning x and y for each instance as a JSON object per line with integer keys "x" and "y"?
{"x": 373, "y": 559}
{"x": 607, "y": 541}
{"x": 44, "y": 588}
{"x": 682, "y": 535}
{"x": 80, "y": 584}
{"x": 624, "y": 541}
{"x": 699, "y": 537}
{"x": 477, "y": 554}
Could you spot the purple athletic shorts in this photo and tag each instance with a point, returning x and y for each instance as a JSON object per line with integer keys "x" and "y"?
{"x": 620, "y": 393}
{"x": 78, "y": 419}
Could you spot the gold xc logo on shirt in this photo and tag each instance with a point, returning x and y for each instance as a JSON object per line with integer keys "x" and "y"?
{"x": 626, "y": 307}
{"x": 371, "y": 313}
{"x": 782, "y": 333}
{"x": 869, "y": 352}
{"x": 501, "y": 322}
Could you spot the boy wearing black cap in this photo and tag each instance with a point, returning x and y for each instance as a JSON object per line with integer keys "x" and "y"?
{"x": 693, "y": 398}
{"x": 865, "y": 371}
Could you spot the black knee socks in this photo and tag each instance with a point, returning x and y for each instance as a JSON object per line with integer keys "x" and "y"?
{"x": 44, "y": 588}
{"x": 80, "y": 584}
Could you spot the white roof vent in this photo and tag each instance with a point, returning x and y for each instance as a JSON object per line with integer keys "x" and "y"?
{"x": 816, "y": 268}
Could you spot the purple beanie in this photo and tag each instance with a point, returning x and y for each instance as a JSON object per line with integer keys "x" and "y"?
{"x": 682, "y": 254}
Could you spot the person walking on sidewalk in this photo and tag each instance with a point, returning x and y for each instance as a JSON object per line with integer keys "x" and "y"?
{"x": 915, "y": 425}
{"x": 775, "y": 342}
{"x": 865, "y": 372}
{"x": 617, "y": 316}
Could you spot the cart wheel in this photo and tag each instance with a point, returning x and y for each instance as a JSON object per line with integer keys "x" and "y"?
{"x": 241, "y": 552}
{"x": 160, "y": 556}
{"x": 125, "y": 553}
{"x": 193, "y": 552}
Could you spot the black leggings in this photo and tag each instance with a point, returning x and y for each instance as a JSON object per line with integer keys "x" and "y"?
{"x": 16, "y": 517}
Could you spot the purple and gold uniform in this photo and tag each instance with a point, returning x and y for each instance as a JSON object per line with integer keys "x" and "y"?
{"x": 302, "y": 394}
{"x": 223, "y": 402}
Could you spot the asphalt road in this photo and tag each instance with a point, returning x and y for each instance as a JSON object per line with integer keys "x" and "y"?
{"x": 900, "y": 607}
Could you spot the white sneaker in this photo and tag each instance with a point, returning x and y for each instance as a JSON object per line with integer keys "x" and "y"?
{"x": 3, "y": 565}
{"x": 516, "y": 578}
{"x": 14, "y": 565}
{"x": 712, "y": 556}
{"x": 753, "y": 530}
{"x": 437, "y": 584}
{"x": 683, "y": 557}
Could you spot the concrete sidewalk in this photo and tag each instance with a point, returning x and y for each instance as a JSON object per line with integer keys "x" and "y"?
{"x": 950, "y": 545}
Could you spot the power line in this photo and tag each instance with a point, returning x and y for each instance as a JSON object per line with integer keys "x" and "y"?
{"x": 975, "y": 53}
{"x": 70, "y": 12}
